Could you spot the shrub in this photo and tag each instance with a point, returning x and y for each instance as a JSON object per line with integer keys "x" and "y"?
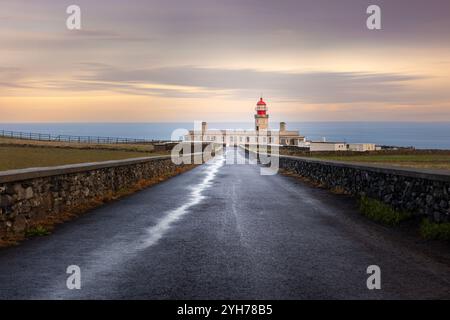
{"x": 38, "y": 231}
{"x": 381, "y": 212}
{"x": 435, "y": 231}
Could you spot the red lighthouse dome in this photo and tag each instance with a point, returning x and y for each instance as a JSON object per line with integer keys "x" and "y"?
{"x": 261, "y": 107}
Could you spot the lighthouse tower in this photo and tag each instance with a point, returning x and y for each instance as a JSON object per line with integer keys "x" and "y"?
{"x": 261, "y": 116}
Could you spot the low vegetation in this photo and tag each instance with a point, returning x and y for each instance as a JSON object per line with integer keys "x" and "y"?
{"x": 18, "y": 157}
{"x": 381, "y": 212}
{"x": 411, "y": 158}
{"x": 424, "y": 159}
{"x": 435, "y": 231}
{"x": 74, "y": 145}
{"x": 38, "y": 231}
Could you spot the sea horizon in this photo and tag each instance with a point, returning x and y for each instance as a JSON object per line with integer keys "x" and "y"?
{"x": 421, "y": 135}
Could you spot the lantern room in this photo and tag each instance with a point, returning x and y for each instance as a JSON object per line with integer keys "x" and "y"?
{"x": 261, "y": 107}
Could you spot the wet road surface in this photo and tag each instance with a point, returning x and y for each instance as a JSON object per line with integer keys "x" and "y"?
{"x": 224, "y": 231}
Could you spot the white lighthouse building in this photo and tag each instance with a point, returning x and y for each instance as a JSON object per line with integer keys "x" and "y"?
{"x": 261, "y": 134}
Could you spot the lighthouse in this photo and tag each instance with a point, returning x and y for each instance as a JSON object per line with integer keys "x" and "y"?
{"x": 261, "y": 133}
{"x": 261, "y": 116}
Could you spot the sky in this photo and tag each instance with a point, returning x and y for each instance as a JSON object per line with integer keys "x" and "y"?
{"x": 211, "y": 60}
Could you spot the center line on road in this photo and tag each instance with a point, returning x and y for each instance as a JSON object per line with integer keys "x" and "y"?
{"x": 155, "y": 233}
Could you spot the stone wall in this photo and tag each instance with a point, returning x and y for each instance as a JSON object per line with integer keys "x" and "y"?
{"x": 31, "y": 195}
{"x": 421, "y": 192}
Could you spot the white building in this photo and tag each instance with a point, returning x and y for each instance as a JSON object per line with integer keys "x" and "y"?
{"x": 327, "y": 146}
{"x": 361, "y": 147}
{"x": 338, "y": 146}
{"x": 260, "y": 135}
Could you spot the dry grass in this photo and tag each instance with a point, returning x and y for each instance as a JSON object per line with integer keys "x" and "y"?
{"x": 74, "y": 145}
{"x": 23, "y": 156}
{"x": 423, "y": 161}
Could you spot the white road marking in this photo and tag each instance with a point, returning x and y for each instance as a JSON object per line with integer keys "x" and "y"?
{"x": 155, "y": 233}
{"x": 122, "y": 249}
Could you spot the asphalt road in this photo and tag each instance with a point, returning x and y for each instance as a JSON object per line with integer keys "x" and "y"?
{"x": 225, "y": 232}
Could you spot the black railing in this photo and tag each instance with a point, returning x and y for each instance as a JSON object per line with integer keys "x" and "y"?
{"x": 74, "y": 139}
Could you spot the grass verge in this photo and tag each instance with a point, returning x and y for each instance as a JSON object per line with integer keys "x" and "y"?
{"x": 419, "y": 159}
{"x": 435, "y": 231}
{"x": 38, "y": 231}
{"x": 381, "y": 212}
{"x": 74, "y": 145}
{"x": 19, "y": 157}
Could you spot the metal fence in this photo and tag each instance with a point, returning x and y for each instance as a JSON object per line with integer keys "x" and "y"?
{"x": 73, "y": 139}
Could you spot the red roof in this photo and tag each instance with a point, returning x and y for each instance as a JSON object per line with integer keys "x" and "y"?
{"x": 261, "y": 102}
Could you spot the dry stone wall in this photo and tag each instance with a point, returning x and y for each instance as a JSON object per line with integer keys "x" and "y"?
{"x": 31, "y": 195}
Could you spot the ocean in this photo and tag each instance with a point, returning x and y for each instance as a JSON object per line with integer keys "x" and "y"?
{"x": 420, "y": 135}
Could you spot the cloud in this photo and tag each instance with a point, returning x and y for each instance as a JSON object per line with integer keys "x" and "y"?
{"x": 199, "y": 82}
{"x": 128, "y": 42}
{"x": 11, "y": 78}
{"x": 309, "y": 87}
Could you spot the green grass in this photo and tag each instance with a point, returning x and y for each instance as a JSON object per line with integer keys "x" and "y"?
{"x": 18, "y": 157}
{"x": 381, "y": 212}
{"x": 426, "y": 161}
{"x": 38, "y": 231}
{"x": 435, "y": 231}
